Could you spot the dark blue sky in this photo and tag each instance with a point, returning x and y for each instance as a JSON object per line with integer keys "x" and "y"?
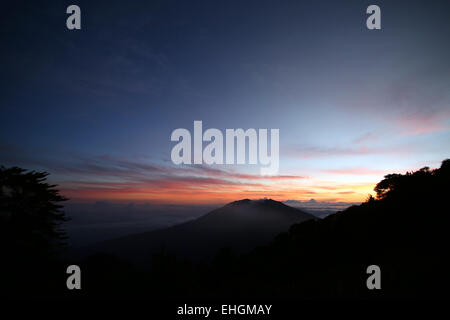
{"x": 96, "y": 107}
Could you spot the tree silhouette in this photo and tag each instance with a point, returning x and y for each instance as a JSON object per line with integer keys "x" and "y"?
{"x": 30, "y": 211}
{"x": 30, "y": 238}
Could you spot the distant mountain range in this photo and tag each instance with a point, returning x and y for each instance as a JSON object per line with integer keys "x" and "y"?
{"x": 320, "y": 209}
{"x": 240, "y": 225}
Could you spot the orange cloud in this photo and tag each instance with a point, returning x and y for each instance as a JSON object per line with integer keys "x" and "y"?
{"x": 203, "y": 191}
{"x": 122, "y": 180}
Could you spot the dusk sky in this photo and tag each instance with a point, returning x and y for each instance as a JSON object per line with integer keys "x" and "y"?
{"x": 96, "y": 107}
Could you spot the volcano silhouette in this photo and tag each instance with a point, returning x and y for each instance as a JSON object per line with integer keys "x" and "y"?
{"x": 240, "y": 225}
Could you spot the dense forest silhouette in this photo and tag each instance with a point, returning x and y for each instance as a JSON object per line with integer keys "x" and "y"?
{"x": 403, "y": 230}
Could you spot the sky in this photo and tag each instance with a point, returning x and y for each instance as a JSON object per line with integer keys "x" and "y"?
{"x": 96, "y": 107}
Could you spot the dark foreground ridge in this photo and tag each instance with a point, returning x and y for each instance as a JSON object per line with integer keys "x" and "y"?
{"x": 404, "y": 231}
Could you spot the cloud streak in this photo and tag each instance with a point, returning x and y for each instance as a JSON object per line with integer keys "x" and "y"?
{"x": 311, "y": 152}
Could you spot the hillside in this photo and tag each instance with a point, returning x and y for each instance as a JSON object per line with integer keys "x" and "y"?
{"x": 404, "y": 231}
{"x": 240, "y": 225}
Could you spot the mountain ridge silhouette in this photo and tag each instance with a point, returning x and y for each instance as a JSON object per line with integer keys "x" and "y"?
{"x": 239, "y": 225}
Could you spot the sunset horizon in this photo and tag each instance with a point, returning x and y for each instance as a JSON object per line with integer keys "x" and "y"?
{"x": 143, "y": 182}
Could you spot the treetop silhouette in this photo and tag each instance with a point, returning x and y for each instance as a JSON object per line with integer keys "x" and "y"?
{"x": 30, "y": 210}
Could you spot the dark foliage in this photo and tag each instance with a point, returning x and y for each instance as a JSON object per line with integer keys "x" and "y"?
{"x": 30, "y": 238}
